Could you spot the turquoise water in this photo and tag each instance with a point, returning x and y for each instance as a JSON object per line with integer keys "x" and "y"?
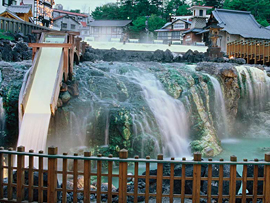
{"x": 244, "y": 148}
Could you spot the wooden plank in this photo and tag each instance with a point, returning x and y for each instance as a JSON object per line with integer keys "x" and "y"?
{"x": 31, "y": 176}
{"x": 20, "y": 174}
{"x": 123, "y": 154}
{"x": 66, "y": 64}
{"x": 196, "y": 178}
{"x": 10, "y": 176}
{"x": 110, "y": 166}
{"x": 183, "y": 181}
{"x": 159, "y": 179}
{"x": 255, "y": 182}
{"x": 147, "y": 179}
{"x": 86, "y": 190}
{"x": 75, "y": 178}
{"x": 244, "y": 183}
{"x": 232, "y": 190}
{"x": 136, "y": 172}
{"x": 267, "y": 179}
{"x": 1, "y": 173}
{"x": 220, "y": 183}
{"x": 209, "y": 182}
{"x": 50, "y": 45}
{"x": 52, "y": 175}
{"x": 40, "y": 178}
{"x": 171, "y": 181}
{"x": 64, "y": 179}
{"x": 99, "y": 169}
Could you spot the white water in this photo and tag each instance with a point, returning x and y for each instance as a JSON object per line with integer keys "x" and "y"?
{"x": 2, "y": 117}
{"x": 35, "y": 123}
{"x": 220, "y": 109}
{"x": 170, "y": 115}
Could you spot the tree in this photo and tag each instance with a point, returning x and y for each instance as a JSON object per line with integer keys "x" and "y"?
{"x": 108, "y": 11}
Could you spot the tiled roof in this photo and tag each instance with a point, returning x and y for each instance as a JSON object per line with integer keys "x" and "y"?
{"x": 66, "y": 16}
{"x": 70, "y": 13}
{"x": 83, "y": 24}
{"x": 12, "y": 14}
{"x": 240, "y": 23}
{"x": 20, "y": 9}
{"x": 110, "y": 23}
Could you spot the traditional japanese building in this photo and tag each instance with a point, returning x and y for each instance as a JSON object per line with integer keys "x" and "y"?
{"x": 173, "y": 31}
{"x": 237, "y": 25}
{"x": 195, "y": 34}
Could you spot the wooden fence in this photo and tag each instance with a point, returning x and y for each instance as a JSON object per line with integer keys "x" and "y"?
{"x": 28, "y": 182}
{"x": 16, "y": 26}
{"x": 254, "y": 51}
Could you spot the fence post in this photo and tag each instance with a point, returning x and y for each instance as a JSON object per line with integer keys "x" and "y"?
{"x": 20, "y": 174}
{"x": 159, "y": 179}
{"x": 267, "y": 179}
{"x": 196, "y": 178}
{"x": 87, "y": 171}
{"x": 10, "y": 175}
{"x": 232, "y": 189}
{"x": 123, "y": 154}
{"x": 52, "y": 175}
{"x": 1, "y": 173}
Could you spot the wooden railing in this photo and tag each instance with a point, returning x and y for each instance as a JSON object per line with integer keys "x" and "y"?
{"x": 16, "y": 26}
{"x": 41, "y": 184}
{"x": 254, "y": 51}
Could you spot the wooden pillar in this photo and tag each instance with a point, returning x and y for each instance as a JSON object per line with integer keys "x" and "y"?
{"x": 196, "y": 178}
{"x": 52, "y": 175}
{"x": 123, "y": 154}
{"x": 10, "y": 176}
{"x": 20, "y": 174}
{"x": 66, "y": 64}
{"x": 64, "y": 180}
{"x": 87, "y": 171}
{"x": 159, "y": 179}
{"x": 267, "y": 179}
{"x": 232, "y": 190}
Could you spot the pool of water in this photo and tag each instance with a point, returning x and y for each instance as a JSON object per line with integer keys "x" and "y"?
{"x": 244, "y": 148}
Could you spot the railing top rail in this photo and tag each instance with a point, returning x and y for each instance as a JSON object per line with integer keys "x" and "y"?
{"x": 94, "y": 158}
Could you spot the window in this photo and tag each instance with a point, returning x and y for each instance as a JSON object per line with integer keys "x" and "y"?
{"x": 179, "y": 26}
{"x": 96, "y": 30}
{"x": 201, "y": 12}
{"x": 64, "y": 25}
{"x": 114, "y": 30}
{"x": 176, "y": 35}
{"x": 73, "y": 27}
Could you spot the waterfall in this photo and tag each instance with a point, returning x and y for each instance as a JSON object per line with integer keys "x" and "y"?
{"x": 2, "y": 118}
{"x": 170, "y": 114}
{"x": 220, "y": 109}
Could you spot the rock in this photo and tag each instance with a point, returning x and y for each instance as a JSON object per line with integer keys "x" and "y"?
{"x": 73, "y": 89}
{"x": 64, "y": 87}
{"x": 158, "y": 55}
{"x": 250, "y": 173}
{"x": 240, "y": 61}
{"x": 209, "y": 152}
{"x": 215, "y": 173}
{"x": 229, "y": 73}
{"x": 168, "y": 56}
{"x": 65, "y": 97}
{"x": 59, "y": 103}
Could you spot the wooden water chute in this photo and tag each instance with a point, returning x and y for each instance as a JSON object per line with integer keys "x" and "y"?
{"x": 65, "y": 67}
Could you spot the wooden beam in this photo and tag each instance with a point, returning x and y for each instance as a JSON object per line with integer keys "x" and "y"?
{"x": 39, "y": 45}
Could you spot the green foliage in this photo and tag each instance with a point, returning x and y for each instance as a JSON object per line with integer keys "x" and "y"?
{"x": 107, "y": 12}
{"x": 4, "y": 35}
{"x": 76, "y": 11}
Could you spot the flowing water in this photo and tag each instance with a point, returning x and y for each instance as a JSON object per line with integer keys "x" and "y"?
{"x": 170, "y": 114}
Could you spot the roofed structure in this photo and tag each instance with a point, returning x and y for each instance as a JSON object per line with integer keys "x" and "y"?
{"x": 21, "y": 13}
{"x": 240, "y": 23}
{"x": 110, "y": 23}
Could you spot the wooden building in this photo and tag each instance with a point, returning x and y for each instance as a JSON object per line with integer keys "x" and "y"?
{"x": 195, "y": 34}
{"x": 238, "y": 25}
{"x": 22, "y": 12}
{"x": 173, "y": 31}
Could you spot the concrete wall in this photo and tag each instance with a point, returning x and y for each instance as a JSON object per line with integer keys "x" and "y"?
{"x": 226, "y": 38}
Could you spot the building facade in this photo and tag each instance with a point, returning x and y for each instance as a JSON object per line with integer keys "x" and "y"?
{"x": 173, "y": 31}
{"x": 66, "y": 23}
{"x": 106, "y": 30}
